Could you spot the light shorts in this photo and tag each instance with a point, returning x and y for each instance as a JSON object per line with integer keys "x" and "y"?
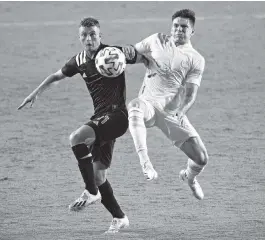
{"x": 176, "y": 131}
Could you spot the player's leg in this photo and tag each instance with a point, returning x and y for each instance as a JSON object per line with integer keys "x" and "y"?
{"x": 85, "y": 140}
{"x": 139, "y": 114}
{"x": 198, "y": 158}
{"x": 108, "y": 129}
{"x": 184, "y": 136}
{"x": 81, "y": 141}
{"x": 101, "y": 164}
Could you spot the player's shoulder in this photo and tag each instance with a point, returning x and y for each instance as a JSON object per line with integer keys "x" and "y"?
{"x": 159, "y": 37}
{"x": 196, "y": 55}
{"x": 79, "y": 58}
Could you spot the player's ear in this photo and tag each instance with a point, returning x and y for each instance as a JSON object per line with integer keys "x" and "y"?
{"x": 193, "y": 31}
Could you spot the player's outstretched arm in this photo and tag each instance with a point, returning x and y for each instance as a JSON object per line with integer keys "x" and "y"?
{"x": 31, "y": 98}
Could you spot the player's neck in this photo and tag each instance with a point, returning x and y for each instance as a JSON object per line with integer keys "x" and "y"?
{"x": 90, "y": 54}
{"x": 177, "y": 44}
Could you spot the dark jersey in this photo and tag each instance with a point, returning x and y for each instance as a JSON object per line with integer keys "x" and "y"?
{"x": 107, "y": 94}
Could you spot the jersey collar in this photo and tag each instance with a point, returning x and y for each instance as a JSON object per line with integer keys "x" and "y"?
{"x": 186, "y": 45}
{"x": 101, "y": 46}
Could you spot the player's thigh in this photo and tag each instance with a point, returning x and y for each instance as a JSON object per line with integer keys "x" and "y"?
{"x": 110, "y": 126}
{"x": 102, "y": 152}
{"x": 147, "y": 109}
{"x": 195, "y": 149}
{"x": 176, "y": 131}
{"x": 84, "y": 134}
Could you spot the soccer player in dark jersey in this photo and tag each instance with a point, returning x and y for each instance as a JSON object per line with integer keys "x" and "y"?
{"x": 93, "y": 143}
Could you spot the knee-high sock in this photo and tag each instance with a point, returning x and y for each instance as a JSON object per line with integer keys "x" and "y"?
{"x": 109, "y": 201}
{"x": 193, "y": 169}
{"x": 138, "y": 132}
{"x": 85, "y": 165}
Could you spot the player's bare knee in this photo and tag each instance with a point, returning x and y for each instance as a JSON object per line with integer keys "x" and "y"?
{"x": 74, "y": 138}
{"x": 206, "y": 158}
{"x": 84, "y": 135}
{"x": 202, "y": 158}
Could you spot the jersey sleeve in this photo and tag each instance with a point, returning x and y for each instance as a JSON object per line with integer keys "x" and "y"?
{"x": 70, "y": 68}
{"x": 144, "y": 46}
{"x": 196, "y": 72}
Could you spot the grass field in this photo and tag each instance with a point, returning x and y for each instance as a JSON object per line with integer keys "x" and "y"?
{"x": 38, "y": 173}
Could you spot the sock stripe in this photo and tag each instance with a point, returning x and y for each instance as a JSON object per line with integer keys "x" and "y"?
{"x": 135, "y": 109}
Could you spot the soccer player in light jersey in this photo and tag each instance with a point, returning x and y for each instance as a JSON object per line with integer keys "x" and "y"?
{"x": 93, "y": 142}
{"x": 173, "y": 76}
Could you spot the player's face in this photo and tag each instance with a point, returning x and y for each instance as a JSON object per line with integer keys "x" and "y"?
{"x": 181, "y": 30}
{"x": 90, "y": 38}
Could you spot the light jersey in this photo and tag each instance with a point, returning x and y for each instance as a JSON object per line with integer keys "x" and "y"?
{"x": 168, "y": 69}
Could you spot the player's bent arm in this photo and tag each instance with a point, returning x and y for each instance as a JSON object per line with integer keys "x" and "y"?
{"x": 190, "y": 95}
{"x": 192, "y": 83}
{"x": 55, "y": 77}
{"x": 133, "y": 56}
{"x": 144, "y": 47}
{"x": 141, "y": 59}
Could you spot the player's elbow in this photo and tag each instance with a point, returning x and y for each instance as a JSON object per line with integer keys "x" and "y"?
{"x": 191, "y": 90}
{"x": 57, "y": 76}
{"x": 191, "y": 97}
{"x": 142, "y": 59}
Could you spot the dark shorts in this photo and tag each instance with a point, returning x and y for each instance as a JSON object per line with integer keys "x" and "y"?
{"x": 107, "y": 127}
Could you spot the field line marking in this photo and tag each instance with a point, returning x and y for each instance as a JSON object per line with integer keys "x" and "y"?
{"x": 121, "y": 21}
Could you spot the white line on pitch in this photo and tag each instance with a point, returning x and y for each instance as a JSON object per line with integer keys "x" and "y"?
{"x": 121, "y": 21}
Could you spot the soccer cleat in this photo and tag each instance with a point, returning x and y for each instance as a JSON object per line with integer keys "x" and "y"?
{"x": 148, "y": 170}
{"x": 193, "y": 184}
{"x": 117, "y": 224}
{"x": 84, "y": 200}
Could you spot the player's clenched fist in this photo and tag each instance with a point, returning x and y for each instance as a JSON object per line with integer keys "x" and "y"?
{"x": 129, "y": 52}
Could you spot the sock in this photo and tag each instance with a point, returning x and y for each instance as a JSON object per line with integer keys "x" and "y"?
{"x": 85, "y": 165}
{"x": 109, "y": 201}
{"x": 193, "y": 169}
{"x": 138, "y": 132}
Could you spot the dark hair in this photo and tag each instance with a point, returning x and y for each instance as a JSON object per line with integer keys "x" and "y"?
{"x": 89, "y": 22}
{"x": 185, "y": 13}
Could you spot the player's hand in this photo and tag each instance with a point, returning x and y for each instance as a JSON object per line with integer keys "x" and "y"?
{"x": 129, "y": 52}
{"x": 29, "y": 99}
{"x": 180, "y": 116}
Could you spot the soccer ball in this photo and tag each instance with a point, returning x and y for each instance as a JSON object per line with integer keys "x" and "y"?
{"x": 110, "y": 62}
